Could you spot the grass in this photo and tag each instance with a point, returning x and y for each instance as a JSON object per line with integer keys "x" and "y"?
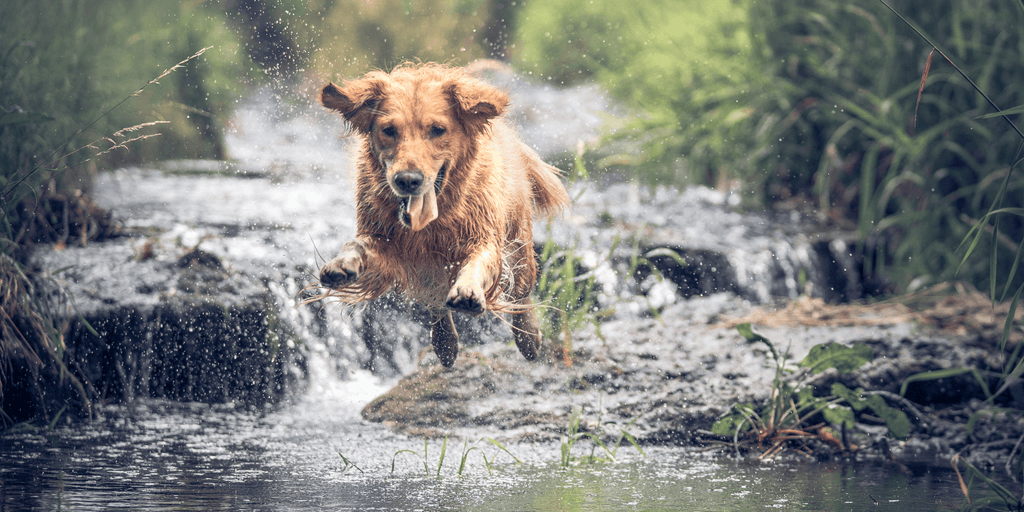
{"x": 567, "y": 285}
{"x": 30, "y": 327}
{"x": 466, "y": 450}
{"x": 797, "y": 413}
{"x": 573, "y": 434}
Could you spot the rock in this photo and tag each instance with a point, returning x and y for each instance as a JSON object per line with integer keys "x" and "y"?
{"x": 186, "y": 330}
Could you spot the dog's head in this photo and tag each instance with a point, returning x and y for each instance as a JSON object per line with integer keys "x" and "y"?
{"x": 421, "y": 122}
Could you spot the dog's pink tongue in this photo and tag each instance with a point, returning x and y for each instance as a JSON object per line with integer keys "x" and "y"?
{"x": 422, "y": 209}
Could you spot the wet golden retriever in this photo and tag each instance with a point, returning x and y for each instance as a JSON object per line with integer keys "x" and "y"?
{"x": 445, "y": 196}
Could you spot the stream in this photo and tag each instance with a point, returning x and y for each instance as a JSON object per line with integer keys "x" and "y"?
{"x": 160, "y": 455}
{"x": 267, "y": 213}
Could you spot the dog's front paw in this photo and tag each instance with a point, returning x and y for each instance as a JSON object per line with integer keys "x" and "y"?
{"x": 340, "y": 271}
{"x": 467, "y": 299}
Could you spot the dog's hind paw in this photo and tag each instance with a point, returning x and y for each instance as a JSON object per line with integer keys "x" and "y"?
{"x": 467, "y": 300}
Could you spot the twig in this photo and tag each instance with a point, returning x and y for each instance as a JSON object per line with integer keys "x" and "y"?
{"x": 963, "y": 486}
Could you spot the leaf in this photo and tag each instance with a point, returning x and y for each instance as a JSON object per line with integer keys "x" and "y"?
{"x": 632, "y": 440}
{"x": 748, "y": 332}
{"x": 1019, "y": 109}
{"x": 942, "y": 374}
{"x": 837, "y": 414}
{"x": 728, "y": 424}
{"x": 23, "y": 118}
{"x": 669, "y": 253}
{"x": 853, "y": 398}
{"x": 835, "y": 355}
{"x": 895, "y": 419}
{"x": 502, "y": 448}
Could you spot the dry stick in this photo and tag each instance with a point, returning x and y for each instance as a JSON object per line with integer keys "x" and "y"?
{"x": 90, "y": 125}
{"x": 920, "y": 91}
{"x": 963, "y": 486}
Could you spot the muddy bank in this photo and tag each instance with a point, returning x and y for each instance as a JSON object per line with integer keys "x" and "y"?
{"x": 667, "y": 380}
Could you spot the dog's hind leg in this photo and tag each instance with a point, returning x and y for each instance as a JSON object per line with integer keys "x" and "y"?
{"x": 526, "y": 331}
{"x": 444, "y": 337}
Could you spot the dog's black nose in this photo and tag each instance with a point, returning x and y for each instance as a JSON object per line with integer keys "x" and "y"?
{"x": 408, "y": 182}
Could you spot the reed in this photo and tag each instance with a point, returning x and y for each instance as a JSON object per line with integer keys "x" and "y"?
{"x": 34, "y": 192}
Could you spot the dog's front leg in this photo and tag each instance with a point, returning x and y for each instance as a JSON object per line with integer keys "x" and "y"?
{"x": 477, "y": 275}
{"x": 350, "y": 263}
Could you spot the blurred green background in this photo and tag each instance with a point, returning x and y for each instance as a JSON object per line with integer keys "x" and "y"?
{"x": 797, "y": 104}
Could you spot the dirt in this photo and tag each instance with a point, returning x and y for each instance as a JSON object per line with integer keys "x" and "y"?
{"x": 666, "y": 380}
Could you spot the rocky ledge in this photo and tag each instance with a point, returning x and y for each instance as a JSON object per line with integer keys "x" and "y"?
{"x": 666, "y": 380}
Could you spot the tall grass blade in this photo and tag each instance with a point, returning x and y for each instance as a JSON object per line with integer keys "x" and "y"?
{"x": 56, "y": 417}
{"x": 993, "y": 261}
{"x": 399, "y": 452}
{"x": 349, "y": 463}
{"x": 1010, "y": 318}
{"x": 942, "y": 374}
{"x": 1019, "y": 109}
{"x": 465, "y": 455}
{"x": 502, "y": 448}
{"x": 440, "y": 460}
{"x": 138, "y": 91}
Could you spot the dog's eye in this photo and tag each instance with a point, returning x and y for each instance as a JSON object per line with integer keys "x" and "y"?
{"x": 390, "y": 131}
{"x": 437, "y": 131}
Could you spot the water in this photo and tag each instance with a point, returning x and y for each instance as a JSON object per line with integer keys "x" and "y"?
{"x": 161, "y": 455}
{"x": 158, "y": 455}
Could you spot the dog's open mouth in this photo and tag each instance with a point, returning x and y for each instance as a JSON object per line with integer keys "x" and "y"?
{"x": 418, "y": 211}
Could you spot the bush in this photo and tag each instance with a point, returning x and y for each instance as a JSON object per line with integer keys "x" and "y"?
{"x": 67, "y": 79}
{"x": 813, "y": 103}
{"x": 351, "y": 37}
{"x": 855, "y": 68}
{"x": 690, "y": 66}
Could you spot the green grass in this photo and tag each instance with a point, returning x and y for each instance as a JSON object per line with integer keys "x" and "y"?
{"x": 31, "y": 331}
{"x": 428, "y": 469}
{"x": 573, "y": 434}
{"x": 795, "y": 412}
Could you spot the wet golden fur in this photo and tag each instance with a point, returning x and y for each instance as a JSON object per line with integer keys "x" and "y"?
{"x": 445, "y": 196}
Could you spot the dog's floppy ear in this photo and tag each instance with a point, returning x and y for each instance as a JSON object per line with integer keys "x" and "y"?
{"x": 476, "y": 103}
{"x": 357, "y": 100}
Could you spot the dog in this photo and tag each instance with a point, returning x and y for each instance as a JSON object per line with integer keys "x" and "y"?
{"x": 445, "y": 198}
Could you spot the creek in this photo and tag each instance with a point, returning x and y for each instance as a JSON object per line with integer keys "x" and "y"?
{"x": 194, "y": 432}
{"x": 161, "y": 455}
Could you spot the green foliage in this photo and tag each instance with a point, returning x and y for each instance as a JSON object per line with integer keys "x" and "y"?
{"x": 67, "y": 63}
{"x": 74, "y": 95}
{"x": 567, "y": 294}
{"x": 918, "y": 171}
{"x": 689, "y": 65}
{"x": 998, "y": 497}
{"x": 815, "y": 101}
{"x": 573, "y": 435}
{"x": 833, "y": 355}
{"x": 348, "y": 464}
{"x": 352, "y": 36}
{"x": 466, "y": 450}
{"x": 896, "y": 420}
{"x": 792, "y": 403}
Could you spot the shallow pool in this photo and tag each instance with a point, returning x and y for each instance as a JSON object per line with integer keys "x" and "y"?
{"x": 318, "y": 454}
